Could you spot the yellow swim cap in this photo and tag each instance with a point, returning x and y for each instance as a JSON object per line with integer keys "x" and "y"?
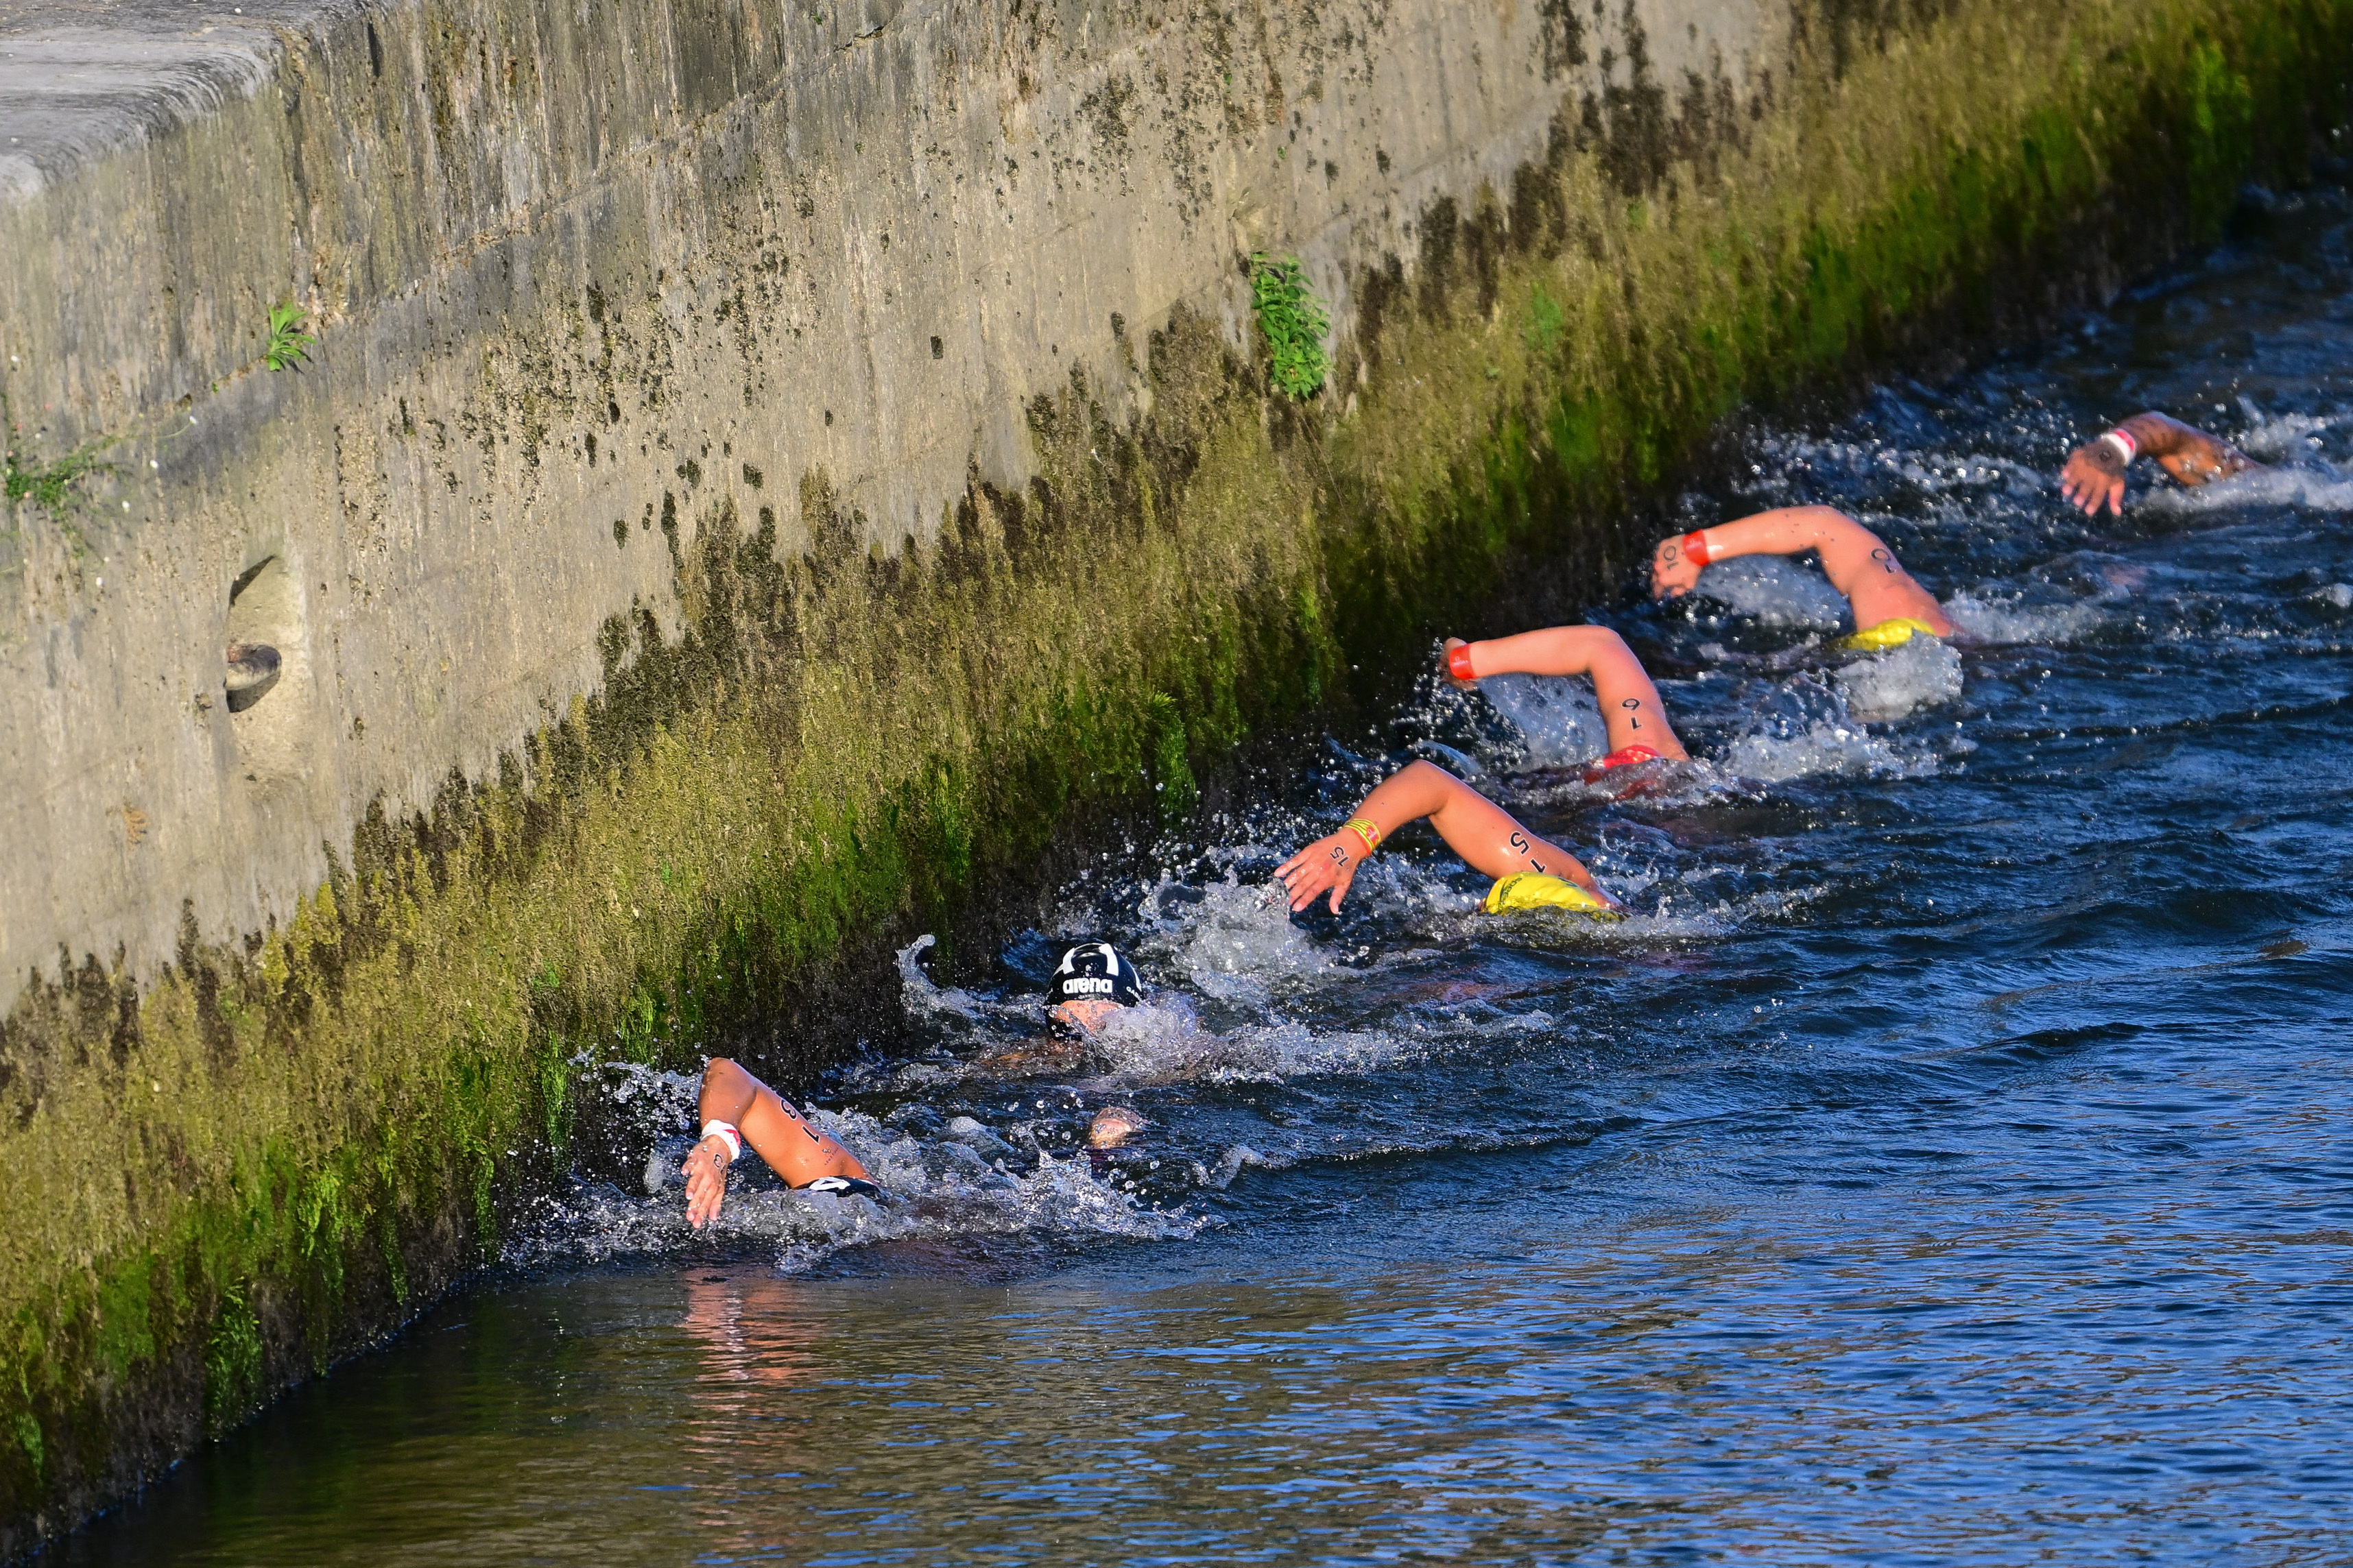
{"x": 1534, "y": 890}
{"x": 1884, "y": 636}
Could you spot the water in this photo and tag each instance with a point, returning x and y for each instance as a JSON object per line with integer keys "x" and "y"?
{"x": 1948, "y": 1163}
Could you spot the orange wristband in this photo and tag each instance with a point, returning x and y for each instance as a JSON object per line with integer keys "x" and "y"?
{"x": 1695, "y": 547}
{"x": 1458, "y": 662}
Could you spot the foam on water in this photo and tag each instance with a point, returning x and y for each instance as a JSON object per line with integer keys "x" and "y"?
{"x": 1988, "y": 615}
{"x": 2306, "y": 482}
{"x": 1159, "y": 1041}
{"x": 1805, "y": 725}
{"x": 1888, "y": 686}
{"x": 1237, "y": 944}
{"x": 2286, "y": 438}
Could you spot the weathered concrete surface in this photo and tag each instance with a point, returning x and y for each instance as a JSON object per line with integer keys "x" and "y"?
{"x": 651, "y": 337}
{"x": 565, "y": 260}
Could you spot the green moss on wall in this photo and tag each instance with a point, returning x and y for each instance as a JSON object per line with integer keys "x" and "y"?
{"x": 226, "y": 1177}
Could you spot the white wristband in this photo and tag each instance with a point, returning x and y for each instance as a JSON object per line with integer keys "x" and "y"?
{"x": 2121, "y": 439}
{"x": 725, "y": 1133}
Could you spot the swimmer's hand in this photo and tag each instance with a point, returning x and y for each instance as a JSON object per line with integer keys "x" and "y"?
{"x": 1672, "y": 572}
{"x": 2095, "y": 475}
{"x": 1446, "y": 668}
{"x": 706, "y": 1181}
{"x": 1328, "y": 863}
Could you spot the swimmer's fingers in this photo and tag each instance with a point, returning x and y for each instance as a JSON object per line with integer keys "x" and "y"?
{"x": 2088, "y": 483}
{"x": 1314, "y": 869}
{"x": 706, "y": 1183}
{"x": 1671, "y": 572}
{"x": 1340, "y": 885}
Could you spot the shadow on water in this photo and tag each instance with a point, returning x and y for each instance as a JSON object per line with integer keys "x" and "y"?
{"x": 1948, "y": 1163}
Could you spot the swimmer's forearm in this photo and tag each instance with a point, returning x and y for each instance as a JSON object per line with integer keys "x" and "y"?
{"x": 1622, "y": 689}
{"x": 1414, "y": 792}
{"x": 1556, "y": 650}
{"x": 2161, "y": 436}
{"x": 1783, "y": 530}
{"x": 727, "y": 1092}
{"x": 2158, "y": 435}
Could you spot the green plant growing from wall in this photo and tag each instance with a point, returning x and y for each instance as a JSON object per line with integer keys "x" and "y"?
{"x": 288, "y": 343}
{"x": 1294, "y": 322}
{"x": 51, "y": 485}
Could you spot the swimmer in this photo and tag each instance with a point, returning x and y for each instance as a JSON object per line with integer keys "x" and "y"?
{"x": 1637, "y": 719}
{"x": 2095, "y": 472}
{"x": 1528, "y": 870}
{"x": 1093, "y": 983}
{"x": 738, "y": 1110}
{"x": 1890, "y": 607}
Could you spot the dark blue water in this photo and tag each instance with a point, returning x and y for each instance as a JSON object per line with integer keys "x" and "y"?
{"x": 1948, "y": 1164}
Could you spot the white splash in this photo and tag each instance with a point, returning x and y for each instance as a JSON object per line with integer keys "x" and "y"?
{"x": 1557, "y": 721}
{"x": 1232, "y": 941}
{"x": 2307, "y": 482}
{"x": 1807, "y": 727}
{"x": 1919, "y": 674}
{"x": 940, "y": 1189}
{"x": 1776, "y": 591}
{"x": 1993, "y": 620}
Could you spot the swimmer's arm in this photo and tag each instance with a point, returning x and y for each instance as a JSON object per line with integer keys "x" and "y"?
{"x": 1036, "y": 1057}
{"x": 1629, "y": 702}
{"x": 792, "y": 1148}
{"x": 2095, "y": 472}
{"x": 1855, "y": 559}
{"x": 1847, "y": 548}
{"x": 1474, "y": 827}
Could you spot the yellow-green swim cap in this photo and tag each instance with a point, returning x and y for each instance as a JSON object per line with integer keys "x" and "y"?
{"x": 1885, "y": 634}
{"x": 1534, "y": 890}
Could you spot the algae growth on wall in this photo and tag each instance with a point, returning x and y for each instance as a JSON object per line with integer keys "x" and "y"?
{"x": 635, "y": 715}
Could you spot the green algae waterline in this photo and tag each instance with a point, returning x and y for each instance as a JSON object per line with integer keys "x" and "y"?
{"x": 228, "y": 1174}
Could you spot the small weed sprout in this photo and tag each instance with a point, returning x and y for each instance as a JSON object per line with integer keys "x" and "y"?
{"x": 1295, "y": 323}
{"x": 51, "y": 485}
{"x": 287, "y": 340}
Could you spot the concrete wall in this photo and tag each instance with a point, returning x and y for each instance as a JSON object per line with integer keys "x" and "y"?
{"x": 565, "y": 262}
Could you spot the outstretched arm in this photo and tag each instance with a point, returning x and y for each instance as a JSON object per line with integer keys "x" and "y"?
{"x": 1629, "y": 703}
{"x": 2095, "y": 472}
{"x": 1856, "y": 560}
{"x": 1474, "y": 827}
{"x": 792, "y": 1149}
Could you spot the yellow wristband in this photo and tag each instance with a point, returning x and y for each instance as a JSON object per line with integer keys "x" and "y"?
{"x": 1366, "y": 828}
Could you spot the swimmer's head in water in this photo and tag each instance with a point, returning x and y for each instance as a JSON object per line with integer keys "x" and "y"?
{"x": 1115, "y": 1125}
{"x": 1093, "y": 980}
{"x": 1534, "y": 890}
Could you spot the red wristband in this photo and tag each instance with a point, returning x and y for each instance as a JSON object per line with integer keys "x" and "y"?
{"x": 1458, "y": 662}
{"x": 2126, "y": 446}
{"x": 1695, "y": 547}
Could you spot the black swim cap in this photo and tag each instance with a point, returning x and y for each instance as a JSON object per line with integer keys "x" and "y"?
{"x": 1094, "y": 971}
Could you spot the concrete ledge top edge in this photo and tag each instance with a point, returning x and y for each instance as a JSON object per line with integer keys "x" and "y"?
{"x": 83, "y": 78}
